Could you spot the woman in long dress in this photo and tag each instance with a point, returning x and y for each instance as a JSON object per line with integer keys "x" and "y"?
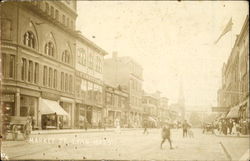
{"x": 234, "y": 128}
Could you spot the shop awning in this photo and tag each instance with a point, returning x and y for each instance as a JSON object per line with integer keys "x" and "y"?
{"x": 51, "y": 107}
{"x": 234, "y": 112}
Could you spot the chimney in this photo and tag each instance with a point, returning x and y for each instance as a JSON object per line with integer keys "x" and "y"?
{"x": 114, "y": 55}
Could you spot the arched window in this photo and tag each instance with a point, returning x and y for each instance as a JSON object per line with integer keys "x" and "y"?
{"x": 49, "y": 49}
{"x": 29, "y": 39}
{"x": 66, "y": 57}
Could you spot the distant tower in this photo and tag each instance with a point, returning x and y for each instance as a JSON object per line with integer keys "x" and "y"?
{"x": 181, "y": 100}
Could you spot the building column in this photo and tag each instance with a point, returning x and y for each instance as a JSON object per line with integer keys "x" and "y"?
{"x": 39, "y": 115}
{"x": 17, "y": 103}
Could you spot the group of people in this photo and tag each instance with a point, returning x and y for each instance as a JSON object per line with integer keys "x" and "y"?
{"x": 231, "y": 127}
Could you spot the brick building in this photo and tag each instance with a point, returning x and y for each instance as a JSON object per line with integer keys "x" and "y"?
{"x": 124, "y": 71}
{"x": 234, "y": 92}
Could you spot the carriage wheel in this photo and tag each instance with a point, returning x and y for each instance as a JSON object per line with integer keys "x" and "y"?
{"x": 14, "y": 132}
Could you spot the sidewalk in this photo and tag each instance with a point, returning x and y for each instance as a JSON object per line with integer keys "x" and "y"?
{"x": 68, "y": 131}
{"x": 216, "y": 133}
{"x": 237, "y": 149}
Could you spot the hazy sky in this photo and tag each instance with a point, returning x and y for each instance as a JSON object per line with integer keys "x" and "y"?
{"x": 168, "y": 39}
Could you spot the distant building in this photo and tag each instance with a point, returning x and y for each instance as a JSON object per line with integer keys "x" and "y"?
{"x": 155, "y": 106}
{"x": 124, "y": 71}
{"x": 116, "y": 106}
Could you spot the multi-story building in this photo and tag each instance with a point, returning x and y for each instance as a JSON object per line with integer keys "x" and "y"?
{"x": 150, "y": 103}
{"x": 116, "y": 105}
{"x": 164, "y": 109}
{"x": 124, "y": 71}
{"x": 88, "y": 81}
{"x": 234, "y": 91}
{"x": 38, "y": 56}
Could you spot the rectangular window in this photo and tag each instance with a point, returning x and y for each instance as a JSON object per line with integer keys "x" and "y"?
{"x": 57, "y": 15}
{"x": 52, "y": 12}
{"x": 71, "y": 24}
{"x": 45, "y": 72}
{"x": 62, "y": 81}
{"x": 24, "y": 68}
{"x": 30, "y": 72}
{"x": 3, "y": 61}
{"x": 63, "y": 19}
{"x": 67, "y": 22}
{"x": 36, "y": 75}
{"x": 12, "y": 66}
{"x": 55, "y": 79}
{"x": 47, "y": 8}
{"x": 84, "y": 58}
{"x": 50, "y": 77}
{"x": 70, "y": 83}
{"x": 66, "y": 82}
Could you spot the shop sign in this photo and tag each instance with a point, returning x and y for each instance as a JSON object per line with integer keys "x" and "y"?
{"x": 9, "y": 89}
{"x": 50, "y": 96}
{"x": 220, "y": 109}
{"x": 8, "y": 98}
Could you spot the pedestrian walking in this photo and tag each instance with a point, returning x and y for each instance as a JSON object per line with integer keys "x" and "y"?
{"x": 166, "y": 134}
{"x": 117, "y": 125}
{"x": 145, "y": 125}
{"x": 234, "y": 131}
{"x": 185, "y": 127}
{"x": 224, "y": 127}
{"x": 230, "y": 126}
{"x": 85, "y": 124}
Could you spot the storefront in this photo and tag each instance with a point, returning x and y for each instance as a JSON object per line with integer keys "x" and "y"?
{"x": 96, "y": 116}
{"x": 80, "y": 115}
{"x": 52, "y": 114}
{"x": 29, "y": 107}
{"x": 8, "y": 104}
{"x": 67, "y": 120}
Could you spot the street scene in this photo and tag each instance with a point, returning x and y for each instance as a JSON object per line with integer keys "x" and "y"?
{"x": 124, "y": 80}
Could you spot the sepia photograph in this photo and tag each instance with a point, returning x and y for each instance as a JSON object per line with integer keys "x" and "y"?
{"x": 100, "y": 80}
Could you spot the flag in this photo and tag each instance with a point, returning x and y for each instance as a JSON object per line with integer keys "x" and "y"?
{"x": 226, "y": 30}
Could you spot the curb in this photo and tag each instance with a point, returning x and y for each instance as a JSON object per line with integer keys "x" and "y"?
{"x": 77, "y": 131}
{"x": 240, "y": 136}
{"x": 227, "y": 153}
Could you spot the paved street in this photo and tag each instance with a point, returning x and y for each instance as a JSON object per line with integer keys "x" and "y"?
{"x": 110, "y": 145}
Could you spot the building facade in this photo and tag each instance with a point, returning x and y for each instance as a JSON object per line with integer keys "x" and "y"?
{"x": 38, "y": 59}
{"x": 116, "y": 106}
{"x": 125, "y": 72}
{"x": 89, "y": 81}
{"x": 234, "y": 91}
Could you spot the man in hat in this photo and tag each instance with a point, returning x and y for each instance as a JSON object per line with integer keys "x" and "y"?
{"x": 166, "y": 134}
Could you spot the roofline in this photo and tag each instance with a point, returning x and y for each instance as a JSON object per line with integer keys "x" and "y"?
{"x": 82, "y": 38}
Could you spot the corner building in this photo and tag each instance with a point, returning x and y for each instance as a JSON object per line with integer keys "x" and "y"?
{"x": 37, "y": 54}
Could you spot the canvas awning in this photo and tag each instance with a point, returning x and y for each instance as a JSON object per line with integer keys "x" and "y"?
{"x": 234, "y": 112}
{"x": 51, "y": 107}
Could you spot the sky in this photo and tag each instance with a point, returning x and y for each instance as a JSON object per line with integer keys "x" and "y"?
{"x": 173, "y": 41}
